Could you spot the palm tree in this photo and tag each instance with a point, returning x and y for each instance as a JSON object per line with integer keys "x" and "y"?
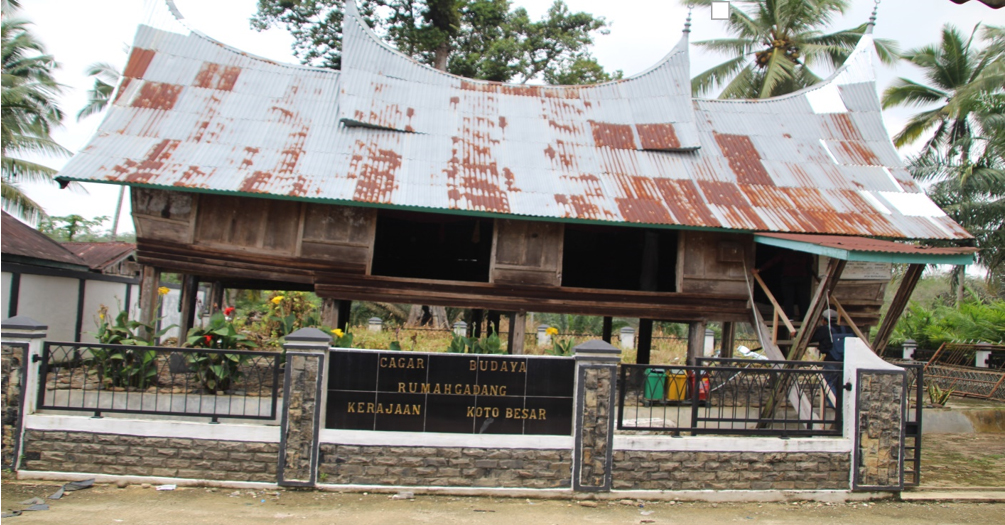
{"x": 774, "y": 44}
{"x": 106, "y": 77}
{"x": 28, "y": 115}
{"x": 963, "y": 158}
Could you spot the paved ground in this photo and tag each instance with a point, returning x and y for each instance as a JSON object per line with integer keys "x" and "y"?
{"x": 108, "y": 504}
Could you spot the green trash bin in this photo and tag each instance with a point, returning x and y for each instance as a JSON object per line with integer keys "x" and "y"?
{"x": 655, "y": 389}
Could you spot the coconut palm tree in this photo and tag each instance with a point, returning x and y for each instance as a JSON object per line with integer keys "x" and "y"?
{"x": 774, "y": 45}
{"x": 28, "y": 115}
{"x": 106, "y": 77}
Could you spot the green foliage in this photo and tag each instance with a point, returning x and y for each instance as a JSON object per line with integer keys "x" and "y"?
{"x": 289, "y": 312}
{"x": 470, "y": 345}
{"x": 106, "y": 77}
{"x": 970, "y": 321}
{"x": 72, "y": 228}
{"x": 342, "y": 339}
{"x": 774, "y": 43}
{"x": 217, "y": 371}
{"x": 561, "y": 347}
{"x": 124, "y": 366}
{"x": 937, "y": 395}
{"x": 482, "y": 39}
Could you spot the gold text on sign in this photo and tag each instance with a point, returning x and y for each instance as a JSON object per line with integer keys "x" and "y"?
{"x": 457, "y": 389}
{"x": 498, "y": 366}
{"x": 397, "y": 409}
{"x": 508, "y": 413}
{"x": 402, "y": 362}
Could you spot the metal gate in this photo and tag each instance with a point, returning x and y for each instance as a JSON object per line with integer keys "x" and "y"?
{"x": 912, "y": 428}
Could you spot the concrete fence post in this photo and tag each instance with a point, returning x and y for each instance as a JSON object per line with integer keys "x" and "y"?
{"x": 981, "y": 356}
{"x": 22, "y": 342}
{"x": 375, "y": 324}
{"x": 709, "y": 343}
{"x": 627, "y": 339}
{"x": 593, "y": 428}
{"x": 543, "y": 339}
{"x": 908, "y": 349}
{"x": 303, "y": 406}
{"x": 460, "y": 328}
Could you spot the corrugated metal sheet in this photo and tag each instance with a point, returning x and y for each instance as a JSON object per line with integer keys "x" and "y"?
{"x": 862, "y": 244}
{"x": 193, "y": 113}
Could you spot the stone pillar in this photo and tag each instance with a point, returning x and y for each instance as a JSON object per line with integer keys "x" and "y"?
{"x": 374, "y": 324}
{"x": 627, "y": 339}
{"x": 303, "y": 407}
{"x": 875, "y": 418}
{"x": 22, "y": 339}
{"x": 907, "y": 351}
{"x": 461, "y": 328}
{"x": 593, "y": 430}
{"x": 709, "y": 343}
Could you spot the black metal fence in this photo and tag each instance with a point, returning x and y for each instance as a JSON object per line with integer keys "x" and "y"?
{"x": 912, "y": 430}
{"x": 130, "y": 379}
{"x": 732, "y": 396}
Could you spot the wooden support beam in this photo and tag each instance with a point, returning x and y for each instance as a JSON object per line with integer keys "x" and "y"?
{"x": 695, "y": 341}
{"x": 608, "y": 329}
{"x": 900, "y": 300}
{"x": 645, "y": 342}
{"x": 189, "y": 295}
{"x": 824, "y": 290}
{"x": 149, "y": 299}
{"x": 216, "y": 291}
{"x": 329, "y": 312}
{"x": 344, "y": 311}
{"x": 728, "y": 340}
{"x": 493, "y": 323}
{"x": 517, "y": 330}
{"x": 854, "y": 328}
{"x": 779, "y": 312}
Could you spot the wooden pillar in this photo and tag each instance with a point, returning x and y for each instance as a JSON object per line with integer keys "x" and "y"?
{"x": 344, "y": 310}
{"x": 728, "y": 339}
{"x": 216, "y": 291}
{"x": 608, "y": 328}
{"x": 149, "y": 298}
{"x": 900, "y": 300}
{"x": 649, "y": 278}
{"x": 189, "y": 294}
{"x": 329, "y": 312}
{"x": 475, "y": 327}
{"x": 644, "y": 353}
{"x": 695, "y": 341}
{"x": 517, "y": 330}
{"x": 493, "y": 323}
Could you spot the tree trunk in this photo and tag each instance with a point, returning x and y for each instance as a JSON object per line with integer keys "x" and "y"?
{"x": 961, "y": 279}
{"x": 440, "y": 56}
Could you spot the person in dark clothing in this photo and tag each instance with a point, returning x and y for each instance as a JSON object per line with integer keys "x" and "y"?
{"x": 829, "y": 338}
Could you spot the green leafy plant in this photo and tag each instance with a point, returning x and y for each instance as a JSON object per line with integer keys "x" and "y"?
{"x": 342, "y": 339}
{"x": 937, "y": 395}
{"x": 561, "y": 347}
{"x": 124, "y": 366}
{"x": 470, "y": 345}
{"x": 289, "y": 312}
{"x": 217, "y": 371}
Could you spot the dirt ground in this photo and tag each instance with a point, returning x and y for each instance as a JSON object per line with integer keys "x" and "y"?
{"x": 963, "y": 460}
{"x": 193, "y": 506}
{"x": 949, "y": 460}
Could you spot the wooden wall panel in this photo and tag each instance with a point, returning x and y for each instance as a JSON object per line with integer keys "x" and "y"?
{"x": 714, "y": 262}
{"x": 527, "y": 252}
{"x": 164, "y": 215}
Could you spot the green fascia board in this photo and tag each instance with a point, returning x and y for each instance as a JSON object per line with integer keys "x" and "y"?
{"x": 421, "y": 209}
{"x": 961, "y": 259}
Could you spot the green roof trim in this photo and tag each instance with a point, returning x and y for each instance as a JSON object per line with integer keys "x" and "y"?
{"x": 867, "y": 256}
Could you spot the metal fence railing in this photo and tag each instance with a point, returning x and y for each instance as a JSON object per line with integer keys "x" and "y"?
{"x": 732, "y": 396}
{"x": 128, "y": 379}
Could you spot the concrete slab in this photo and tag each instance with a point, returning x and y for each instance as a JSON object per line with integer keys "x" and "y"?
{"x": 973, "y": 496}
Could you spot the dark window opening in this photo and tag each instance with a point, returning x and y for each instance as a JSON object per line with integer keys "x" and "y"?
{"x": 429, "y": 246}
{"x": 789, "y": 276}
{"x": 613, "y": 258}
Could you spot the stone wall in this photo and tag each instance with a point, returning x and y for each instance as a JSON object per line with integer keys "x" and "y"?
{"x": 880, "y": 429}
{"x": 300, "y": 421}
{"x": 445, "y": 467}
{"x": 594, "y": 425}
{"x": 649, "y": 470}
{"x": 148, "y": 456}
{"x": 10, "y": 364}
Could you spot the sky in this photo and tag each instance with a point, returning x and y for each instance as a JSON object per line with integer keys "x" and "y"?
{"x": 78, "y": 33}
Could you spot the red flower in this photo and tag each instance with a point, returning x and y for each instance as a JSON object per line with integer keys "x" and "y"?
{"x": 228, "y": 311}
{"x": 209, "y": 339}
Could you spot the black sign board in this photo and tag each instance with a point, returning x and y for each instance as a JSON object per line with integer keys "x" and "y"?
{"x": 460, "y": 393}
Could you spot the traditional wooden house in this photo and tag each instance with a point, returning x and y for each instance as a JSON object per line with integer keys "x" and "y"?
{"x": 392, "y": 181}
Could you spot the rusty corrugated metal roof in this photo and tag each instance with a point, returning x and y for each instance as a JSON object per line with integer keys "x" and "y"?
{"x": 864, "y": 244}
{"x": 101, "y": 255}
{"x": 29, "y": 245}
{"x": 193, "y": 114}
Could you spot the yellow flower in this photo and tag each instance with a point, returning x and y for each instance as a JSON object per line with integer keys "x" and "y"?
{"x": 163, "y": 290}
{"x": 551, "y": 331}
{"x": 338, "y": 332}
{"x": 101, "y": 316}
{"x": 277, "y": 299}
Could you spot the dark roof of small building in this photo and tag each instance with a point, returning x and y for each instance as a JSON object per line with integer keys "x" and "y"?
{"x": 31, "y": 246}
{"x": 101, "y": 255}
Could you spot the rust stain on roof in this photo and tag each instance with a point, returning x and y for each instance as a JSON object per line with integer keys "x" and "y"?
{"x": 859, "y": 152}
{"x": 744, "y": 159}
{"x": 257, "y": 182}
{"x": 139, "y": 61}
{"x": 248, "y": 159}
{"x": 808, "y": 199}
{"x": 582, "y": 208}
{"x": 644, "y": 211}
{"x": 194, "y": 177}
{"x": 765, "y": 196}
{"x": 148, "y": 168}
{"x": 685, "y": 202}
{"x": 217, "y": 76}
{"x": 157, "y": 95}
{"x": 843, "y": 127}
{"x": 472, "y": 171}
{"x": 658, "y": 136}
{"x": 865, "y": 244}
{"x": 722, "y": 193}
{"x": 615, "y": 136}
{"x": 374, "y": 170}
